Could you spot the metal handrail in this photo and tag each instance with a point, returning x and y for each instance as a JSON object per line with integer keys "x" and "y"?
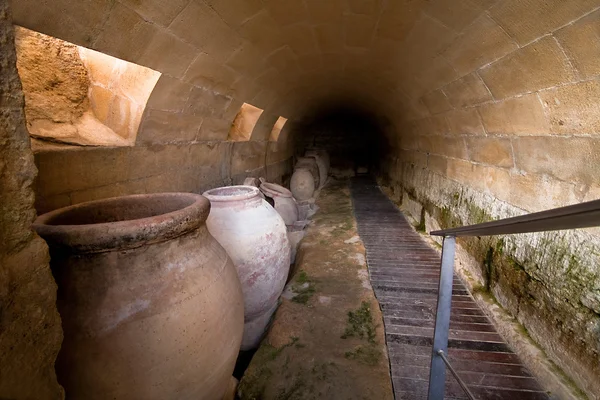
{"x": 584, "y": 215}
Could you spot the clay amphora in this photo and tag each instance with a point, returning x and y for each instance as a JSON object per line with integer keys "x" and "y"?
{"x": 151, "y": 305}
{"x": 255, "y": 238}
{"x": 285, "y": 204}
{"x": 302, "y": 184}
{"x": 311, "y": 164}
{"x": 321, "y": 163}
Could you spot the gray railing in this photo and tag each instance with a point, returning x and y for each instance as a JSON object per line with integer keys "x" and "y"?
{"x": 584, "y": 215}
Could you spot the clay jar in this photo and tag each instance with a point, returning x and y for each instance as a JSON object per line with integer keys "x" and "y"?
{"x": 254, "y": 235}
{"x": 311, "y": 164}
{"x": 321, "y": 163}
{"x": 151, "y": 305}
{"x": 285, "y": 204}
{"x": 302, "y": 184}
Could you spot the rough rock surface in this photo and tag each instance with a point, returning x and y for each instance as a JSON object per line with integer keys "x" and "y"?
{"x": 55, "y": 80}
{"x": 30, "y": 331}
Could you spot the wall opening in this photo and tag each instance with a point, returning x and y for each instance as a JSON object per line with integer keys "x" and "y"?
{"x": 244, "y": 123}
{"x": 78, "y": 96}
{"x": 279, "y": 124}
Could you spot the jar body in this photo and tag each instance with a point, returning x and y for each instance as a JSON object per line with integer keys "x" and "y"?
{"x": 302, "y": 184}
{"x": 254, "y": 235}
{"x": 158, "y": 320}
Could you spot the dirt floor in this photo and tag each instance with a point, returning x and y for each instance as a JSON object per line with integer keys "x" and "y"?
{"x": 326, "y": 340}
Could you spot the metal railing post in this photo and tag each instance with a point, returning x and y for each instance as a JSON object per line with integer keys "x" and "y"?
{"x": 437, "y": 375}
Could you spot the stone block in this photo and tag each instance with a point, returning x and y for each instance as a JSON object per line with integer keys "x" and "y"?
{"x": 415, "y": 158}
{"x": 437, "y": 164}
{"x": 113, "y": 190}
{"x": 330, "y": 38}
{"x": 214, "y": 129}
{"x": 169, "y": 94}
{"x": 208, "y": 73}
{"x": 581, "y": 42}
{"x": 358, "y": 30}
{"x": 573, "y": 109}
{"x": 235, "y": 12}
{"x": 168, "y": 54}
{"x": 456, "y": 14}
{"x": 398, "y": 18}
{"x": 527, "y": 20}
{"x": 465, "y": 122}
{"x": 325, "y": 12}
{"x": 80, "y": 168}
{"x": 207, "y": 103}
{"x": 201, "y": 26}
{"x": 301, "y": 38}
{"x": 435, "y": 73}
{"x": 364, "y": 7}
{"x": 482, "y": 42}
{"x": 540, "y": 65}
{"x": 287, "y": 12}
{"x": 437, "y": 102}
{"x": 79, "y": 23}
{"x": 494, "y": 151}
{"x": 157, "y": 11}
{"x": 533, "y": 192}
{"x": 443, "y": 145}
{"x": 412, "y": 207}
{"x": 208, "y": 154}
{"x": 168, "y": 127}
{"x": 247, "y": 156}
{"x": 467, "y": 91}
{"x": 263, "y": 32}
{"x": 518, "y": 116}
{"x": 571, "y": 159}
{"x": 125, "y": 34}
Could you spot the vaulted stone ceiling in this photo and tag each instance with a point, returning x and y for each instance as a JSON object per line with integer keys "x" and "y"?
{"x": 287, "y": 55}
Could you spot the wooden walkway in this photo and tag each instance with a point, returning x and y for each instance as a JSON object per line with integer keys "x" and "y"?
{"x": 404, "y": 274}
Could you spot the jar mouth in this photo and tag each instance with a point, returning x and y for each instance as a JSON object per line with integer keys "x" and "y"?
{"x": 231, "y": 193}
{"x": 275, "y": 190}
{"x": 123, "y": 222}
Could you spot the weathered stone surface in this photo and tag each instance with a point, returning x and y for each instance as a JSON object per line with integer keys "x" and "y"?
{"x": 581, "y": 41}
{"x": 573, "y": 109}
{"x": 482, "y": 42}
{"x": 493, "y": 151}
{"x": 437, "y": 102}
{"x": 539, "y": 65}
{"x": 467, "y": 91}
{"x": 55, "y": 87}
{"x": 519, "y": 116}
{"x": 554, "y": 156}
{"x": 527, "y": 20}
{"x": 30, "y": 331}
{"x": 465, "y": 122}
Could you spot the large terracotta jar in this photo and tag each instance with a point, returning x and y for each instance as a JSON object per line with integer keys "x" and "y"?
{"x": 302, "y": 184}
{"x": 284, "y": 201}
{"x": 311, "y": 151}
{"x": 321, "y": 163}
{"x": 151, "y": 305}
{"x": 311, "y": 164}
{"x": 255, "y": 238}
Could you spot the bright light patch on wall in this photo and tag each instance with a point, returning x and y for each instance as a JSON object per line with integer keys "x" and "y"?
{"x": 277, "y": 129}
{"x": 244, "y": 123}
{"x": 79, "y": 96}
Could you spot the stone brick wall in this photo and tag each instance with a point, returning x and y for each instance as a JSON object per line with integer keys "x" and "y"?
{"x": 30, "y": 331}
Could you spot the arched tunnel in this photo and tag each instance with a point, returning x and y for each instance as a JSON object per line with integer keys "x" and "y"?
{"x": 462, "y": 111}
